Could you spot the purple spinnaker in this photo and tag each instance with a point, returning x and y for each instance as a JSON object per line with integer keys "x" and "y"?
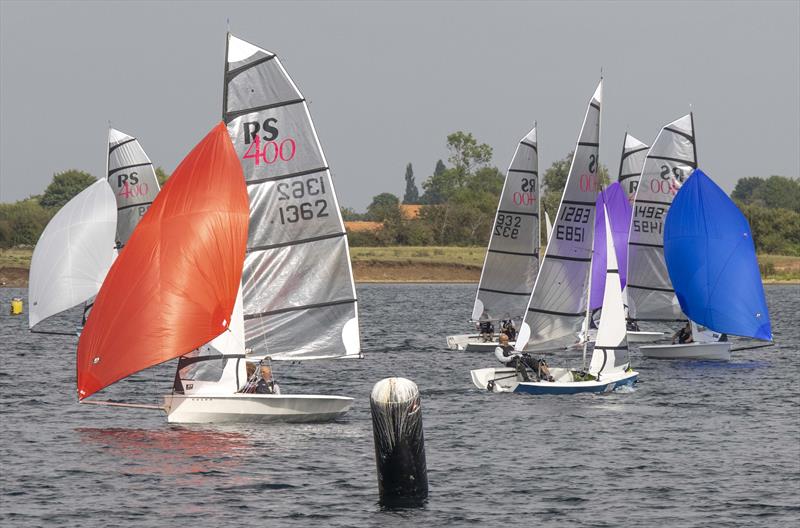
{"x": 619, "y": 212}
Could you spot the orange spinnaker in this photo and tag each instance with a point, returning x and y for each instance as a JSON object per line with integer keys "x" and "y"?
{"x": 174, "y": 285}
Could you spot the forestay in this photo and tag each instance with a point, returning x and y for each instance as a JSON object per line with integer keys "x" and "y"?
{"x": 712, "y": 261}
{"x": 298, "y": 290}
{"x": 73, "y": 254}
{"x": 132, "y": 179}
{"x": 512, "y": 258}
{"x": 634, "y": 153}
{"x": 669, "y": 162}
{"x": 557, "y": 306}
{"x": 611, "y": 346}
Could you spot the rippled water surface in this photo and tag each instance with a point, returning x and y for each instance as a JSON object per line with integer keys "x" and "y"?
{"x": 695, "y": 444}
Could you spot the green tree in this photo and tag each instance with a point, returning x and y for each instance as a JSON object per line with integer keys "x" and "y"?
{"x": 466, "y": 154}
{"x": 162, "y": 176}
{"x": 22, "y": 223}
{"x": 349, "y": 214}
{"x": 384, "y": 206}
{"x": 65, "y": 186}
{"x": 411, "y": 195}
{"x": 745, "y": 188}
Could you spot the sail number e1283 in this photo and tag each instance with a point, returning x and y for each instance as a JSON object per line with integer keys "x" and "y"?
{"x": 573, "y": 215}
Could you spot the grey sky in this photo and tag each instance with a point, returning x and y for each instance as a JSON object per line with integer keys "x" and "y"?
{"x": 388, "y": 81}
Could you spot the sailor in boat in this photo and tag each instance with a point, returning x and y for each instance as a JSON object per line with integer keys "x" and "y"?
{"x": 684, "y": 335}
{"x": 522, "y": 362}
{"x": 260, "y": 379}
{"x": 507, "y": 327}
{"x": 486, "y": 329}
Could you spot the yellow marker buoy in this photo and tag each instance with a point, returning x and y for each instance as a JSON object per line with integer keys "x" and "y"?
{"x": 16, "y": 306}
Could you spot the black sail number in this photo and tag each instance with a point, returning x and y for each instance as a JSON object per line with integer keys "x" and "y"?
{"x": 305, "y": 190}
{"x": 572, "y": 223}
{"x": 507, "y": 225}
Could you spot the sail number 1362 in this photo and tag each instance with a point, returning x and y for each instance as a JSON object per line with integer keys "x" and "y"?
{"x": 314, "y": 205}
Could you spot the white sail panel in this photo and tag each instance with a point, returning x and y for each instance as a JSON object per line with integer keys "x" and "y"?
{"x": 132, "y": 179}
{"x": 512, "y": 258}
{"x": 611, "y": 345}
{"x": 557, "y": 306}
{"x": 73, "y": 254}
{"x": 548, "y": 226}
{"x": 298, "y": 291}
{"x": 634, "y": 153}
{"x": 670, "y": 161}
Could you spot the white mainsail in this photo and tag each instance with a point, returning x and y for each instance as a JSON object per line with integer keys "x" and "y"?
{"x": 549, "y": 227}
{"x": 73, "y": 254}
{"x": 298, "y": 291}
{"x": 611, "y": 345}
{"x": 670, "y": 161}
{"x": 634, "y": 152}
{"x": 132, "y": 179}
{"x": 512, "y": 258}
{"x": 557, "y": 306}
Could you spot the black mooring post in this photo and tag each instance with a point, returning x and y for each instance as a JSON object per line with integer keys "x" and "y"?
{"x": 399, "y": 442}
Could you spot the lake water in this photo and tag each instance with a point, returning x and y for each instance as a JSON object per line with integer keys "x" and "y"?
{"x": 695, "y": 444}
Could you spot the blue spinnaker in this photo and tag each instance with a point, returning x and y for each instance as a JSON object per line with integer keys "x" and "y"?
{"x": 712, "y": 262}
{"x": 619, "y": 216}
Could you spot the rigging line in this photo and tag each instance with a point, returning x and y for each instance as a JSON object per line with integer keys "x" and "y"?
{"x": 54, "y": 332}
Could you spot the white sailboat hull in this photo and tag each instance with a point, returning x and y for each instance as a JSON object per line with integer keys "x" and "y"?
{"x": 644, "y": 337}
{"x": 506, "y": 380}
{"x": 709, "y": 351}
{"x": 474, "y": 343}
{"x": 254, "y": 408}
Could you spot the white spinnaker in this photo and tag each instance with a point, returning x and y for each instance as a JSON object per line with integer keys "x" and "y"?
{"x": 634, "y": 152}
{"x": 557, "y": 306}
{"x": 512, "y": 258}
{"x": 298, "y": 290}
{"x": 132, "y": 179}
{"x": 671, "y": 160}
{"x": 611, "y": 345}
{"x": 73, "y": 254}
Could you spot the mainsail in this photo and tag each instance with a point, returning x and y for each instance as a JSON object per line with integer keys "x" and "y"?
{"x": 712, "y": 261}
{"x": 133, "y": 180}
{"x": 73, "y": 254}
{"x": 669, "y": 162}
{"x": 194, "y": 238}
{"x": 611, "y": 201}
{"x": 557, "y": 306}
{"x": 298, "y": 291}
{"x": 634, "y": 153}
{"x": 512, "y": 258}
{"x": 611, "y": 346}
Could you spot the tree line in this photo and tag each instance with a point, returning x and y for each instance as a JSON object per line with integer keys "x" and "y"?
{"x": 459, "y": 199}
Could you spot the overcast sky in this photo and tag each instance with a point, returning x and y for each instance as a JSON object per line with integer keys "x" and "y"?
{"x": 388, "y": 81}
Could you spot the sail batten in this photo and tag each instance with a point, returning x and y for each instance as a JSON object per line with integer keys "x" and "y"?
{"x": 512, "y": 261}
{"x": 669, "y": 163}
{"x": 557, "y": 306}
{"x": 298, "y": 291}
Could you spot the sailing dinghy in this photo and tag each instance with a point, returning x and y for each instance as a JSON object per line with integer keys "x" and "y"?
{"x": 297, "y": 298}
{"x": 558, "y": 306}
{"x": 512, "y": 257}
{"x": 712, "y": 265}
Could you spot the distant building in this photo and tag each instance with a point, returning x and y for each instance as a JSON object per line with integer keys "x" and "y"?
{"x": 410, "y": 212}
{"x": 360, "y": 226}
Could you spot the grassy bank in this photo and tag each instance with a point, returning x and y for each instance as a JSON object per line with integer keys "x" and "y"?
{"x": 410, "y": 264}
